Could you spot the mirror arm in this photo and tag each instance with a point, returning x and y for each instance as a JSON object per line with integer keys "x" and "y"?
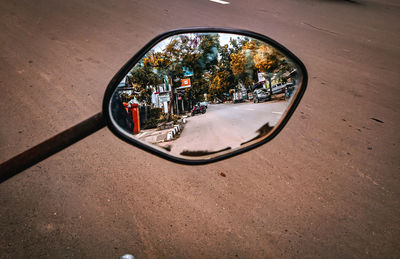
{"x": 50, "y": 146}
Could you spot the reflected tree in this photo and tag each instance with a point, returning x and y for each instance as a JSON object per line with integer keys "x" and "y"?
{"x": 215, "y": 69}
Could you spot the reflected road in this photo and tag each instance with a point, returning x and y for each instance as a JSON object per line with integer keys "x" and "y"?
{"x": 226, "y": 125}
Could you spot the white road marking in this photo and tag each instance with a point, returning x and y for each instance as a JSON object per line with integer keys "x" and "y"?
{"x": 278, "y": 113}
{"x": 219, "y": 1}
{"x": 250, "y": 109}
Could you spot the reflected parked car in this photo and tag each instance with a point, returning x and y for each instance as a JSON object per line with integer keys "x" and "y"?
{"x": 289, "y": 86}
{"x": 260, "y": 95}
{"x": 278, "y": 88}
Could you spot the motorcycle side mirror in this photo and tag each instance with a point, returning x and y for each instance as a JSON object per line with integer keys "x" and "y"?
{"x": 199, "y": 95}
{"x": 192, "y": 96}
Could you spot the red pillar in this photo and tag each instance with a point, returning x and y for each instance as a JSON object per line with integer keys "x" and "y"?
{"x": 135, "y": 118}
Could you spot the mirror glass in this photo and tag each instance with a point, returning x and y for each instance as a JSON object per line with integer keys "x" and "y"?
{"x": 199, "y": 95}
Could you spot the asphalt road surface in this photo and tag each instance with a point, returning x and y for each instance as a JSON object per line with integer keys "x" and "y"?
{"x": 327, "y": 186}
{"x": 226, "y": 126}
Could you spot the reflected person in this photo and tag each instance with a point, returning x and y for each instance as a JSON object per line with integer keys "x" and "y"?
{"x": 121, "y": 116}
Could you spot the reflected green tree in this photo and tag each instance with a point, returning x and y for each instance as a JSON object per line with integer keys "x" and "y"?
{"x": 215, "y": 69}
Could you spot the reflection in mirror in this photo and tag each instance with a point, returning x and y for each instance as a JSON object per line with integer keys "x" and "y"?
{"x": 197, "y": 95}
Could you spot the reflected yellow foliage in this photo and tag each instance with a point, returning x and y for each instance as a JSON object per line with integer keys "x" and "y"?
{"x": 238, "y": 63}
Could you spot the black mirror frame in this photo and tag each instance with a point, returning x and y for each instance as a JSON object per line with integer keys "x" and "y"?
{"x": 132, "y": 62}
